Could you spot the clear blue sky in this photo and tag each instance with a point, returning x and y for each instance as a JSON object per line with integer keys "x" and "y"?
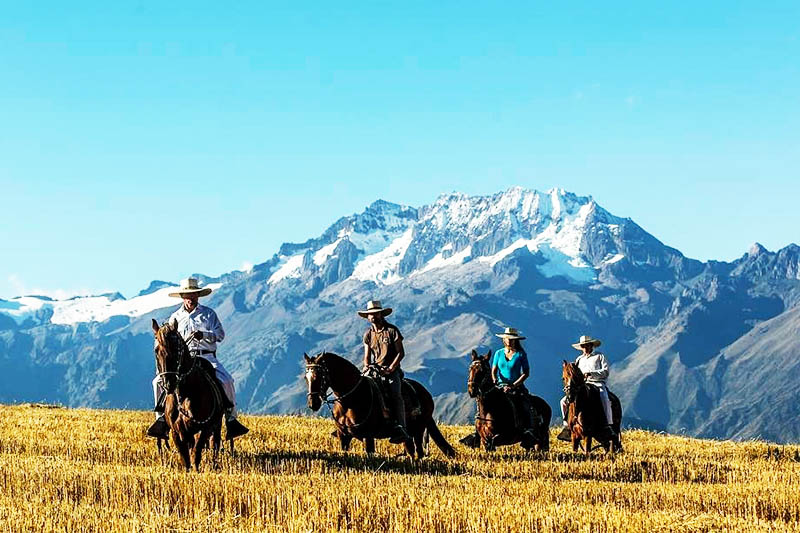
{"x": 147, "y": 140}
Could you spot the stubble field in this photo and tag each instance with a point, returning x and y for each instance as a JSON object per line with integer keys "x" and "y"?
{"x": 94, "y": 470}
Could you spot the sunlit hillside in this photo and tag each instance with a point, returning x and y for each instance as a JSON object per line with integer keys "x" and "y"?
{"x": 93, "y": 470}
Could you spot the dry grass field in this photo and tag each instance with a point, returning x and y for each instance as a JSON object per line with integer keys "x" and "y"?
{"x": 94, "y": 470}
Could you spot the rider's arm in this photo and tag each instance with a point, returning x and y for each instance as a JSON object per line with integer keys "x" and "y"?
{"x": 367, "y": 351}
{"x": 526, "y": 371}
{"x": 602, "y": 374}
{"x": 215, "y": 333}
{"x": 398, "y": 346}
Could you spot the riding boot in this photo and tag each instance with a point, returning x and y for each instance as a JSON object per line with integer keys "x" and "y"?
{"x": 399, "y": 435}
{"x": 565, "y": 435}
{"x": 234, "y": 428}
{"x": 159, "y": 429}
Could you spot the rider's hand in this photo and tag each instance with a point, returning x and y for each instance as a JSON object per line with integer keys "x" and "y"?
{"x": 197, "y": 335}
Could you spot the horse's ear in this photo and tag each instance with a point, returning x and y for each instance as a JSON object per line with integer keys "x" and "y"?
{"x": 155, "y": 326}
{"x": 174, "y": 324}
{"x": 488, "y": 355}
{"x": 564, "y": 362}
{"x": 306, "y": 357}
{"x": 473, "y": 355}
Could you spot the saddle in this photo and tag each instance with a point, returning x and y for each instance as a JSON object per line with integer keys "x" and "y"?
{"x": 523, "y": 411}
{"x": 219, "y": 391}
{"x": 207, "y": 367}
{"x": 410, "y": 398}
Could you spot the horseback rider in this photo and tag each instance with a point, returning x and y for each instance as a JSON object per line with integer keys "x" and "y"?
{"x": 383, "y": 350}
{"x": 510, "y": 369}
{"x": 201, "y": 330}
{"x": 594, "y": 367}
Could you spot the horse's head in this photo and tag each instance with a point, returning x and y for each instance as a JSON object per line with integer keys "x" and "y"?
{"x": 170, "y": 350}
{"x": 317, "y": 379}
{"x": 573, "y": 379}
{"x": 479, "y": 374}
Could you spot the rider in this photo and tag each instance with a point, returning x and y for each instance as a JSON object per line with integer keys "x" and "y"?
{"x": 202, "y": 330}
{"x": 594, "y": 367}
{"x": 510, "y": 369}
{"x": 383, "y": 346}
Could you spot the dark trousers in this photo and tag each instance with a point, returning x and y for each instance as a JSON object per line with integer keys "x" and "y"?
{"x": 394, "y": 386}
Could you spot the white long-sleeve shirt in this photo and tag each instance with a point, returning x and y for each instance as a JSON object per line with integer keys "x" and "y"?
{"x": 202, "y": 319}
{"x": 594, "y": 367}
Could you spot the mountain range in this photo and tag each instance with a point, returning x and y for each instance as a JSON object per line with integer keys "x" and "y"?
{"x": 701, "y": 348}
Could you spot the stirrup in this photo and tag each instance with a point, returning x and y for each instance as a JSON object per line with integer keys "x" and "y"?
{"x": 234, "y": 428}
{"x": 399, "y": 435}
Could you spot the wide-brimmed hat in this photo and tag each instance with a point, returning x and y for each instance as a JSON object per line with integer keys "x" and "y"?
{"x": 510, "y": 333}
{"x": 586, "y": 339}
{"x": 189, "y": 286}
{"x": 374, "y": 307}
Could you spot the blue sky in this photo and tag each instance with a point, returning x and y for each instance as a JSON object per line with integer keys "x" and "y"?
{"x": 148, "y": 140}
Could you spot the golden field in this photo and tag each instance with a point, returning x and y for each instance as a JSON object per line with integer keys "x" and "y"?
{"x": 94, "y": 470}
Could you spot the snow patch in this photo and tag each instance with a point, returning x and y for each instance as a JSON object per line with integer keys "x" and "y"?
{"x": 613, "y": 259}
{"x": 290, "y": 268}
{"x": 382, "y": 266}
{"x": 91, "y": 308}
{"x": 439, "y": 261}
{"x": 325, "y": 252}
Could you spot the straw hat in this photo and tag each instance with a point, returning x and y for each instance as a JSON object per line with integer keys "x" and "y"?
{"x": 586, "y": 339}
{"x": 189, "y": 287}
{"x": 375, "y": 307}
{"x": 510, "y": 333}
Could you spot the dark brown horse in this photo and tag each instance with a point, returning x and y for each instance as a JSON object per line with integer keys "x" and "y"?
{"x": 495, "y": 422}
{"x": 359, "y": 408}
{"x": 585, "y": 416}
{"x": 194, "y": 405}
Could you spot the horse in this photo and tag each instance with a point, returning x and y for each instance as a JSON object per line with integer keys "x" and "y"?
{"x": 586, "y": 417}
{"x": 359, "y": 408}
{"x": 495, "y": 422}
{"x": 194, "y": 403}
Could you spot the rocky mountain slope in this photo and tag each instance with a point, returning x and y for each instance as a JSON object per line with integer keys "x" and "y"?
{"x": 696, "y": 347}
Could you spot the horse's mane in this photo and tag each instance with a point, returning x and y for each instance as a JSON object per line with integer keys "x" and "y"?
{"x": 572, "y": 371}
{"x": 169, "y": 337}
{"x": 335, "y": 360}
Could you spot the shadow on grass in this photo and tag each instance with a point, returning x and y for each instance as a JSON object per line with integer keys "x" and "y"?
{"x": 290, "y": 461}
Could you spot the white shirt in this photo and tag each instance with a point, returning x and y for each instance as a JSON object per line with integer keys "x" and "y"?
{"x": 202, "y": 319}
{"x": 594, "y": 367}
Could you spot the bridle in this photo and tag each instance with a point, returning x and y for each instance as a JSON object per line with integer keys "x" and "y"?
{"x": 481, "y": 390}
{"x": 182, "y": 356}
{"x": 571, "y": 387}
{"x": 325, "y": 383}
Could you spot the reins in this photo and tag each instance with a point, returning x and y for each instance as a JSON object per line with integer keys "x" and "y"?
{"x": 181, "y": 378}
{"x": 324, "y": 395}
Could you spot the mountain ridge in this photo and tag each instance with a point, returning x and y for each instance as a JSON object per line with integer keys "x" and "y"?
{"x": 553, "y": 263}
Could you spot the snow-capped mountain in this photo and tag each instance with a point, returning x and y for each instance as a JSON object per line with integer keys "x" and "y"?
{"x": 554, "y": 264}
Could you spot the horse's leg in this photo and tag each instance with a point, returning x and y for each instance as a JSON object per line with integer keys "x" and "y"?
{"x": 201, "y": 441}
{"x": 369, "y": 445}
{"x": 587, "y": 445}
{"x": 344, "y": 440}
{"x": 183, "y": 449}
{"x": 576, "y": 442}
{"x": 215, "y": 444}
{"x": 418, "y": 444}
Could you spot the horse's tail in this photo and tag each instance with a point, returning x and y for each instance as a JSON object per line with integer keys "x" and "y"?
{"x": 438, "y": 438}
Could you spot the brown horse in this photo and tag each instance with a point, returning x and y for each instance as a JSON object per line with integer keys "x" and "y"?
{"x": 359, "y": 408}
{"x": 194, "y": 404}
{"x": 585, "y": 416}
{"x": 495, "y": 422}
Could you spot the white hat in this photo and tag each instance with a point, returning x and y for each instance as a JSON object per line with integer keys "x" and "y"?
{"x": 510, "y": 333}
{"x": 189, "y": 286}
{"x": 586, "y": 339}
{"x": 375, "y": 307}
